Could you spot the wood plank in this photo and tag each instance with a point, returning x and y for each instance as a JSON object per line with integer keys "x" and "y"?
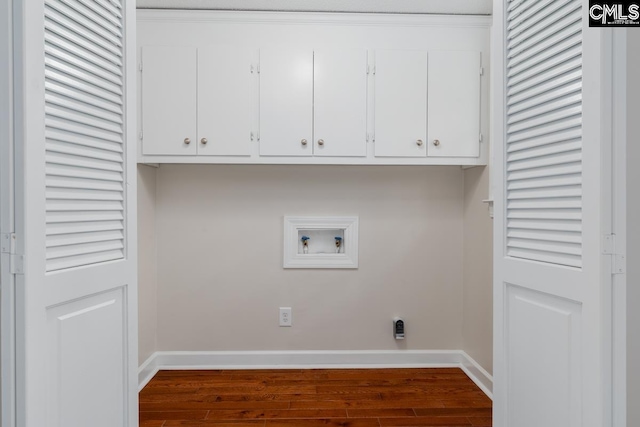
{"x": 315, "y": 397}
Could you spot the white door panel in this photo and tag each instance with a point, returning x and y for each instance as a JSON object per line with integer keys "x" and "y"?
{"x": 169, "y": 88}
{"x": 340, "y": 102}
{"x": 400, "y": 103}
{"x": 543, "y": 343}
{"x": 286, "y": 102}
{"x": 225, "y": 101}
{"x": 454, "y": 104}
{"x": 79, "y": 359}
{"x": 551, "y": 279}
{"x": 76, "y": 214}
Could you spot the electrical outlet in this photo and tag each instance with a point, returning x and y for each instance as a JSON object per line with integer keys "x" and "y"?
{"x": 285, "y": 316}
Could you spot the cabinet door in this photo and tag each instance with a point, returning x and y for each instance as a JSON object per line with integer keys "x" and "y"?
{"x": 225, "y": 95}
{"x": 286, "y": 102}
{"x": 169, "y": 100}
{"x": 454, "y": 104}
{"x": 400, "y": 103}
{"x": 340, "y": 103}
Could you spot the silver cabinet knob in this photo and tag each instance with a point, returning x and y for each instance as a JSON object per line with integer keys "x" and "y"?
{"x": 303, "y": 142}
{"x": 419, "y": 143}
{"x": 203, "y": 141}
{"x": 436, "y": 142}
{"x": 187, "y": 141}
{"x": 321, "y": 142}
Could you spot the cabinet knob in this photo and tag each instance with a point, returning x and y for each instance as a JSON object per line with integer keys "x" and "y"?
{"x": 303, "y": 142}
{"x": 187, "y": 141}
{"x": 419, "y": 143}
{"x": 436, "y": 142}
{"x": 203, "y": 141}
{"x": 321, "y": 142}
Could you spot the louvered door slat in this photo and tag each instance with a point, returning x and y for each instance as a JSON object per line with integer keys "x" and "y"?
{"x": 542, "y": 37}
{"x": 545, "y": 150}
{"x": 548, "y": 225}
{"x": 102, "y": 12}
{"x": 102, "y": 25}
{"x": 74, "y": 49}
{"x": 83, "y": 205}
{"x": 82, "y": 238}
{"x": 79, "y": 216}
{"x": 77, "y": 73}
{"x": 82, "y": 227}
{"x": 84, "y": 119}
{"x": 78, "y": 129}
{"x": 84, "y": 133}
{"x": 553, "y": 138}
{"x": 555, "y": 12}
{"x": 83, "y": 108}
{"x": 83, "y": 88}
{"x": 85, "y": 26}
{"x": 55, "y": 89}
{"x": 111, "y": 7}
{"x": 53, "y": 169}
{"x": 521, "y": 62}
{"x": 543, "y": 98}
{"x": 544, "y": 131}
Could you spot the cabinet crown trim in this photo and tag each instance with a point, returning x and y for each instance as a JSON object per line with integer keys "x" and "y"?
{"x": 334, "y": 18}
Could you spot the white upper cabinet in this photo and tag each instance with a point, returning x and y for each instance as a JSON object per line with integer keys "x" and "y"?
{"x": 400, "y": 103}
{"x": 340, "y": 103}
{"x": 225, "y": 101}
{"x": 454, "y": 104}
{"x": 169, "y": 100}
{"x": 286, "y": 102}
{"x": 307, "y": 88}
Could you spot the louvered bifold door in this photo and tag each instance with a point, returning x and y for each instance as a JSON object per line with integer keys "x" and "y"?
{"x": 544, "y": 119}
{"x": 84, "y": 132}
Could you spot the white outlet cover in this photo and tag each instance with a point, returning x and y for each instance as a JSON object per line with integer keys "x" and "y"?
{"x": 285, "y": 316}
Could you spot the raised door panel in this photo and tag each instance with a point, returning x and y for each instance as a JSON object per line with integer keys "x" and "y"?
{"x": 340, "y": 103}
{"x": 225, "y": 101}
{"x": 400, "y": 103}
{"x": 543, "y": 342}
{"x": 86, "y": 345}
{"x": 286, "y": 102}
{"x": 454, "y": 104}
{"x": 169, "y": 100}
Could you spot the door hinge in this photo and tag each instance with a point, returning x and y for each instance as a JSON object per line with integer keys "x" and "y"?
{"x": 618, "y": 258}
{"x": 482, "y": 71}
{"x": 140, "y": 135}
{"x": 374, "y": 70}
{"x": 140, "y": 66}
{"x": 481, "y": 138}
{"x": 8, "y": 246}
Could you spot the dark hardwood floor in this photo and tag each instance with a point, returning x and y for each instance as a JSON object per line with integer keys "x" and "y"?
{"x": 310, "y": 398}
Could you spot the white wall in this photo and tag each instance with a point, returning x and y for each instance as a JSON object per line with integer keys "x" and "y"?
{"x": 147, "y": 265}
{"x": 633, "y": 228}
{"x": 220, "y": 275}
{"x": 477, "y": 309}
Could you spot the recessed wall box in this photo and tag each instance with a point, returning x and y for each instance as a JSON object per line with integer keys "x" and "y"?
{"x": 320, "y": 242}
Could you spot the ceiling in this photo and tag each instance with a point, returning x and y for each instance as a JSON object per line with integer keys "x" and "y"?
{"x": 466, "y": 7}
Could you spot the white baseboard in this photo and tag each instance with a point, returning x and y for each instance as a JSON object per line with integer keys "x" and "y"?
{"x": 147, "y": 370}
{"x": 182, "y": 360}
